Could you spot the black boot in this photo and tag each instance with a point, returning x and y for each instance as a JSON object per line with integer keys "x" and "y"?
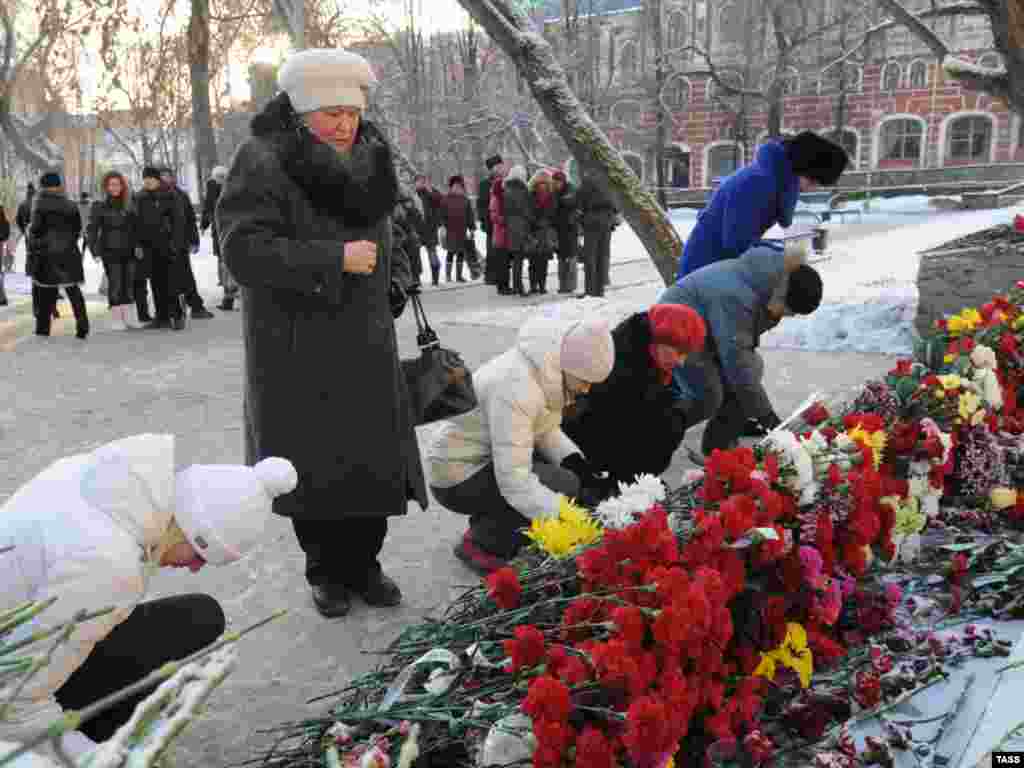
{"x": 227, "y": 304}
{"x": 332, "y": 602}
{"x": 435, "y": 273}
{"x": 458, "y": 269}
{"x": 448, "y": 270}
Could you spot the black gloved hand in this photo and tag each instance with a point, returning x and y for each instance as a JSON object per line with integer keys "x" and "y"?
{"x": 398, "y": 299}
{"x": 579, "y": 466}
{"x": 771, "y": 421}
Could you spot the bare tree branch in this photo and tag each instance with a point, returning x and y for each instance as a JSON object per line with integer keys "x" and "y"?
{"x": 920, "y": 30}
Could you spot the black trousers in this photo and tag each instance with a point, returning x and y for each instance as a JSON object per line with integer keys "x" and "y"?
{"x": 539, "y": 270}
{"x": 497, "y": 261}
{"x": 155, "y": 633}
{"x": 46, "y": 300}
{"x": 140, "y": 291}
{"x": 341, "y": 552}
{"x": 491, "y": 274}
{"x": 188, "y": 284}
{"x": 494, "y": 524}
{"x": 597, "y": 249}
{"x": 167, "y": 281}
{"x": 120, "y": 279}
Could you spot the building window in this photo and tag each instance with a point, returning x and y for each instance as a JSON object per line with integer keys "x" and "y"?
{"x": 677, "y": 93}
{"x": 902, "y": 140}
{"x": 677, "y": 31}
{"x": 722, "y": 160}
{"x": 730, "y": 24}
{"x": 628, "y": 60}
{"x": 918, "y": 75}
{"x": 970, "y": 139}
{"x": 891, "y": 76}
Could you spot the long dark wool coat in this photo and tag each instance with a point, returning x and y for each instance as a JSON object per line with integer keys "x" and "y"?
{"x": 626, "y": 426}
{"x": 56, "y": 227}
{"x": 324, "y": 387}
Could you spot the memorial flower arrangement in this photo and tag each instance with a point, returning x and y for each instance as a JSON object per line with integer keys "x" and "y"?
{"x": 740, "y": 619}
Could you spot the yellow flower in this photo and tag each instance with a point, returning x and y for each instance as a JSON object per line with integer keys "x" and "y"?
{"x": 874, "y": 440}
{"x": 1003, "y": 498}
{"x": 951, "y": 381}
{"x": 955, "y": 325}
{"x": 793, "y": 653}
{"x": 972, "y": 317}
{"x": 969, "y": 403}
{"x": 940, "y": 393}
{"x": 1018, "y": 324}
{"x": 909, "y": 518}
{"x": 947, "y": 358}
{"x": 561, "y": 536}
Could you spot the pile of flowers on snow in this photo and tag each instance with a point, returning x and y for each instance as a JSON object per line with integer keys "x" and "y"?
{"x": 749, "y": 617}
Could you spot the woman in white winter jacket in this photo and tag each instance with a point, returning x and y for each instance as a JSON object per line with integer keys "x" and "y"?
{"x": 90, "y": 530}
{"x": 508, "y": 461}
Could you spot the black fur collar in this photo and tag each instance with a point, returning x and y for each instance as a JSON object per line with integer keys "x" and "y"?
{"x": 362, "y": 188}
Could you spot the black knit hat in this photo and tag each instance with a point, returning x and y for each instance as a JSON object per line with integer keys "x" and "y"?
{"x": 816, "y": 158}
{"x": 493, "y": 161}
{"x": 456, "y": 180}
{"x": 805, "y": 289}
{"x": 149, "y": 172}
{"x": 50, "y": 179}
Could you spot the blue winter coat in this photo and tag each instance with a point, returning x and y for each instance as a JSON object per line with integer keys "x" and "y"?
{"x": 747, "y": 205}
{"x": 732, "y": 297}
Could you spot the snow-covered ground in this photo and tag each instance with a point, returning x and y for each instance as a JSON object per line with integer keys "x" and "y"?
{"x": 870, "y": 273}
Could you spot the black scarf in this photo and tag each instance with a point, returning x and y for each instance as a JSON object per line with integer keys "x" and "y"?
{"x": 361, "y": 188}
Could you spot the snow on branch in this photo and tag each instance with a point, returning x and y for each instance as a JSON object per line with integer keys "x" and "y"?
{"x": 991, "y": 80}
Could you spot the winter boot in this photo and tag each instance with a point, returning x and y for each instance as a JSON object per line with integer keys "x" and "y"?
{"x": 227, "y": 304}
{"x": 517, "y": 278}
{"x": 459, "y": 262}
{"x": 435, "y": 273}
{"x": 448, "y": 270}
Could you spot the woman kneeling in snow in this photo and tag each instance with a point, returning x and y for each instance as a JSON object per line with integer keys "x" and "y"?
{"x": 91, "y": 530}
{"x": 631, "y": 424}
{"x": 483, "y": 463}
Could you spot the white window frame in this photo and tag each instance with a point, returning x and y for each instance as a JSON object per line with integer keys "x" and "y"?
{"x": 944, "y": 135}
{"x": 876, "y": 139}
{"x": 709, "y": 147}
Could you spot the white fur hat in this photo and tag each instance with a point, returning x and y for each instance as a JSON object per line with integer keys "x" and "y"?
{"x": 588, "y": 350}
{"x": 320, "y": 78}
{"x": 223, "y": 508}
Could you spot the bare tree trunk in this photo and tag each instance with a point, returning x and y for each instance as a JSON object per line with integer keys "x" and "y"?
{"x": 199, "y": 69}
{"x": 510, "y": 28}
{"x": 293, "y": 13}
{"x": 655, "y": 18}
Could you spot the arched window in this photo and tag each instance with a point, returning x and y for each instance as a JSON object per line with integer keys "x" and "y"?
{"x": 969, "y": 139}
{"x": 628, "y": 60}
{"x": 722, "y": 160}
{"x": 918, "y": 75}
{"x": 677, "y": 92}
{"x": 891, "y": 76}
{"x": 677, "y": 31}
{"x": 901, "y": 140}
{"x": 730, "y": 24}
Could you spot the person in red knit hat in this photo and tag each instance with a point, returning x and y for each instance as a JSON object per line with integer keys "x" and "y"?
{"x": 629, "y": 425}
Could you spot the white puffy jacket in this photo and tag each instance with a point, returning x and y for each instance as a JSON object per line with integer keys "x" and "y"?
{"x": 521, "y": 396}
{"x": 81, "y": 530}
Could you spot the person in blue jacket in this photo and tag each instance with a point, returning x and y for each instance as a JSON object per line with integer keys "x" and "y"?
{"x": 759, "y": 196}
{"x": 737, "y": 299}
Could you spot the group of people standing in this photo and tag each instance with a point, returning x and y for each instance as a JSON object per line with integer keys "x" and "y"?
{"x": 528, "y": 221}
{"x": 144, "y": 240}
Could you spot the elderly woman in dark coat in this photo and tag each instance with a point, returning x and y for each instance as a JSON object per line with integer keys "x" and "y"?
{"x": 305, "y": 228}
{"x": 517, "y": 209}
{"x": 54, "y": 258}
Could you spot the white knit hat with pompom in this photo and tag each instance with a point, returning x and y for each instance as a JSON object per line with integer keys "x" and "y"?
{"x": 223, "y": 508}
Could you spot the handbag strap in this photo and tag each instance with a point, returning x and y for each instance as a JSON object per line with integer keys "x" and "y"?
{"x": 425, "y": 336}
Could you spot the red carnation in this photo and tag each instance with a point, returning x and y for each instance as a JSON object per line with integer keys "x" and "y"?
{"x": 771, "y": 467}
{"x": 557, "y": 658}
{"x": 574, "y": 672}
{"x": 582, "y": 611}
{"x": 504, "y": 588}
{"x": 547, "y": 700}
{"x": 1008, "y": 344}
{"x": 815, "y": 414}
{"x": 902, "y": 368}
{"x": 527, "y": 649}
{"x": 868, "y": 690}
{"x": 759, "y": 747}
{"x": 738, "y": 514}
{"x": 648, "y": 728}
{"x": 631, "y": 625}
{"x": 594, "y": 750}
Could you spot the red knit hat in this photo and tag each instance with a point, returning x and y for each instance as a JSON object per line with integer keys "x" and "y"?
{"x": 677, "y": 325}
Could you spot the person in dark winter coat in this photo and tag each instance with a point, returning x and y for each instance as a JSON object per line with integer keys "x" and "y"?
{"x": 209, "y": 222}
{"x": 544, "y": 231}
{"x": 189, "y": 288}
{"x": 406, "y": 224}
{"x": 599, "y": 216}
{"x": 430, "y": 199}
{"x": 517, "y": 212}
{"x": 458, "y": 219}
{"x": 23, "y": 218}
{"x": 495, "y": 168}
{"x": 755, "y": 198}
{"x": 163, "y": 238}
{"x": 112, "y": 238}
{"x": 56, "y": 259}
{"x": 567, "y": 224}
{"x": 629, "y": 424}
{"x": 305, "y": 227}
{"x": 735, "y": 298}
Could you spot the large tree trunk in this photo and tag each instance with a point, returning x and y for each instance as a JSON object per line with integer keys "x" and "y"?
{"x": 32, "y": 158}
{"x": 510, "y": 28}
{"x": 660, "y": 138}
{"x": 199, "y": 68}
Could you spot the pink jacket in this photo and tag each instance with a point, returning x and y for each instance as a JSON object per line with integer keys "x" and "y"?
{"x": 496, "y": 208}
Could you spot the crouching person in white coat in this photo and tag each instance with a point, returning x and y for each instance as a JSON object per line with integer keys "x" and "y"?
{"x": 508, "y": 461}
{"x": 90, "y": 530}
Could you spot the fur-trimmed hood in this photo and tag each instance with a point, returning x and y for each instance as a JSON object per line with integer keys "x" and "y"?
{"x": 361, "y": 188}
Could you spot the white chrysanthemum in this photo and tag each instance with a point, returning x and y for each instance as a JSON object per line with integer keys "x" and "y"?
{"x": 653, "y": 486}
{"x": 988, "y": 385}
{"x": 984, "y": 357}
{"x": 845, "y": 443}
{"x": 614, "y": 514}
{"x": 809, "y": 494}
{"x": 633, "y": 500}
{"x": 787, "y": 445}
